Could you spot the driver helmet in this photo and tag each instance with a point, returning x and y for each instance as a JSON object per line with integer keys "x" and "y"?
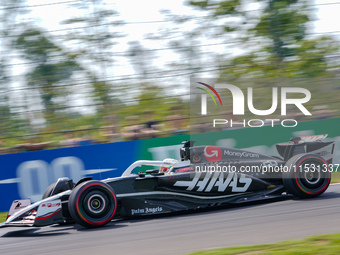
{"x": 165, "y": 169}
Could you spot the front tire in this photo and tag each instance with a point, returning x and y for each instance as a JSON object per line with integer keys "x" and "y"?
{"x": 66, "y": 214}
{"x": 92, "y": 204}
{"x": 308, "y": 176}
{"x": 48, "y": 191}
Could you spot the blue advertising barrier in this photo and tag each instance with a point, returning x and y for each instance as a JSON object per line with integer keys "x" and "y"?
{"x": 28, "y": 174}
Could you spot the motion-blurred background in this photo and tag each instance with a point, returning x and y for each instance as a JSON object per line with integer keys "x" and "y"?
{"x": 96, "y": 71}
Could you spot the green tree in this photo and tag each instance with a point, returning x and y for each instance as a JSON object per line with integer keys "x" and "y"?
{"x": 10, "y": 25}
{"x": 183, "y": 41}
{"x": 92, "y": 44}
{"x": 141, "y": 59}
{"x": 276, "y": 42}
{"x": 52, "y": 66}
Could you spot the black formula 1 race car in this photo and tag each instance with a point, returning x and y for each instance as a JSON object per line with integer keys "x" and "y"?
{"x": 206, "y": 176}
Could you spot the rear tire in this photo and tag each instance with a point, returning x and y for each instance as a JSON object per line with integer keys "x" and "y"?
{"x": 303, "y": 179}
{"x": 92, "y": 204}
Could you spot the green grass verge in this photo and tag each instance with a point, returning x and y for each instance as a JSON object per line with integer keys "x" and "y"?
{"x": 335, "y": 177}
{"x": 3, "y": 216}
{"x": 322, "y": 245}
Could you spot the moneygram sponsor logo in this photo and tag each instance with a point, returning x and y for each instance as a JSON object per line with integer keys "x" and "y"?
{"x": 213, "y": 153}
{"x": 243, "y": 154}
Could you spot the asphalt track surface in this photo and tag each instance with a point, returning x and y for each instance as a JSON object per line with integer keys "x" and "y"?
{"x": 184, "y": 233}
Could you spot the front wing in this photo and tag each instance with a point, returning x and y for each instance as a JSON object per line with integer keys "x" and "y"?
{"x": 42, "y": 213}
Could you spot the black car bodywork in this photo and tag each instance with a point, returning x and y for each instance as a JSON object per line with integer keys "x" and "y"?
{"x": 207, "y": 176}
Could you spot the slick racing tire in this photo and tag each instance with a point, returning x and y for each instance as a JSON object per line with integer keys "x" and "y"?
{"x": 61, "y": 185}
{"x": 48, "y": 191}
{"x": 306, "y": 175}
{"x": 92, "y": 204}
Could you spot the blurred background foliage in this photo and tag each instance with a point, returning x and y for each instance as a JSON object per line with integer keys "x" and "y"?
{"x": 69, "y": 80}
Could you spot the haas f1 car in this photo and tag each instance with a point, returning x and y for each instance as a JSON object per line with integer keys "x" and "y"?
{"x": 206, "y": 176}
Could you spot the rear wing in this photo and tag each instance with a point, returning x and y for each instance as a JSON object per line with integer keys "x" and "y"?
{"x": 308, "y": 139}
{"x": 307, "y": 144}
